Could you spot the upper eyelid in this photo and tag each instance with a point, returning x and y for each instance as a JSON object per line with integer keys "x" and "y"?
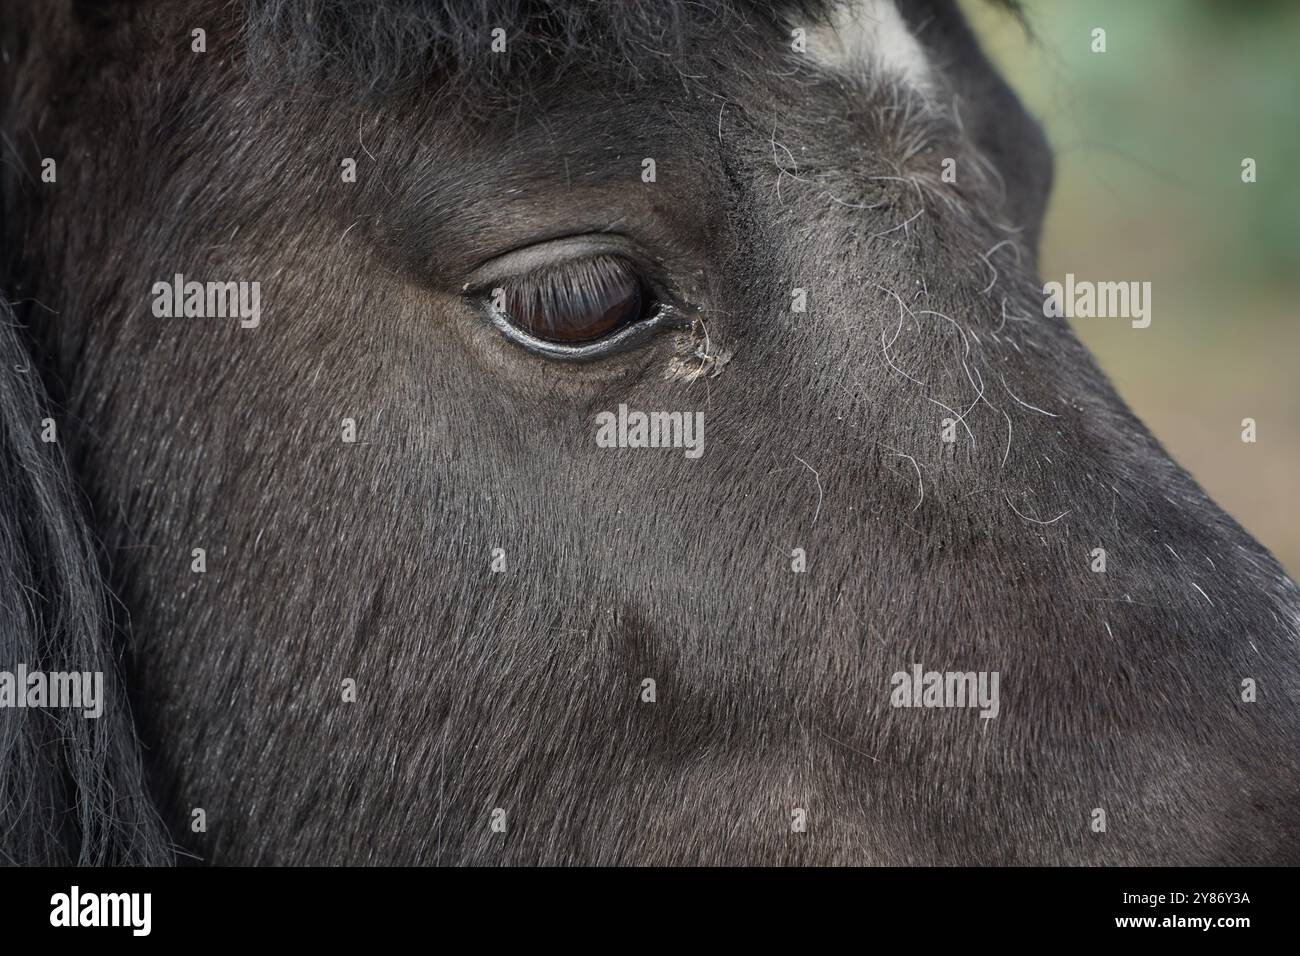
{"x": 546, "y": 256}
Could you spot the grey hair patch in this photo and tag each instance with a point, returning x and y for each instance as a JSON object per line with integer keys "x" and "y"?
{"x": 699, "y": 357}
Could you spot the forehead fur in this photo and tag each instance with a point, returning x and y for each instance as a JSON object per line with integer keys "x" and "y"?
{"x": 379, "y": 46}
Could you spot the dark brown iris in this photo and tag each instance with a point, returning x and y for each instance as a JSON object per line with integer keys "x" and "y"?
{"x": 577, "y": 302}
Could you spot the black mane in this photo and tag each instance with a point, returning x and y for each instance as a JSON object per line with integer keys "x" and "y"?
{"x": 71, "y": 788}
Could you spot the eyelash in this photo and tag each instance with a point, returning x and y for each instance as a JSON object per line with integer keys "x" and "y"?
{"x": 574, "y": 290}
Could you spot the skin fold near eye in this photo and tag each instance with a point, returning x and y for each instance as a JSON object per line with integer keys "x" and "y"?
{"x": 577, "y": 302}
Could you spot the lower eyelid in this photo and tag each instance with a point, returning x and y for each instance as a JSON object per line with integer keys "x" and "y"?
{"x": 666, "y": 317}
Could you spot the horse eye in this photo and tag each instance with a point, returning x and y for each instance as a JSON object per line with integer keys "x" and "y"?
{"x": 576, "y": 303}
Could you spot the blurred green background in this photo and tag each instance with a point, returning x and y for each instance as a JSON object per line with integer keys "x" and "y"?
{"x": 1149, "y": 139}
